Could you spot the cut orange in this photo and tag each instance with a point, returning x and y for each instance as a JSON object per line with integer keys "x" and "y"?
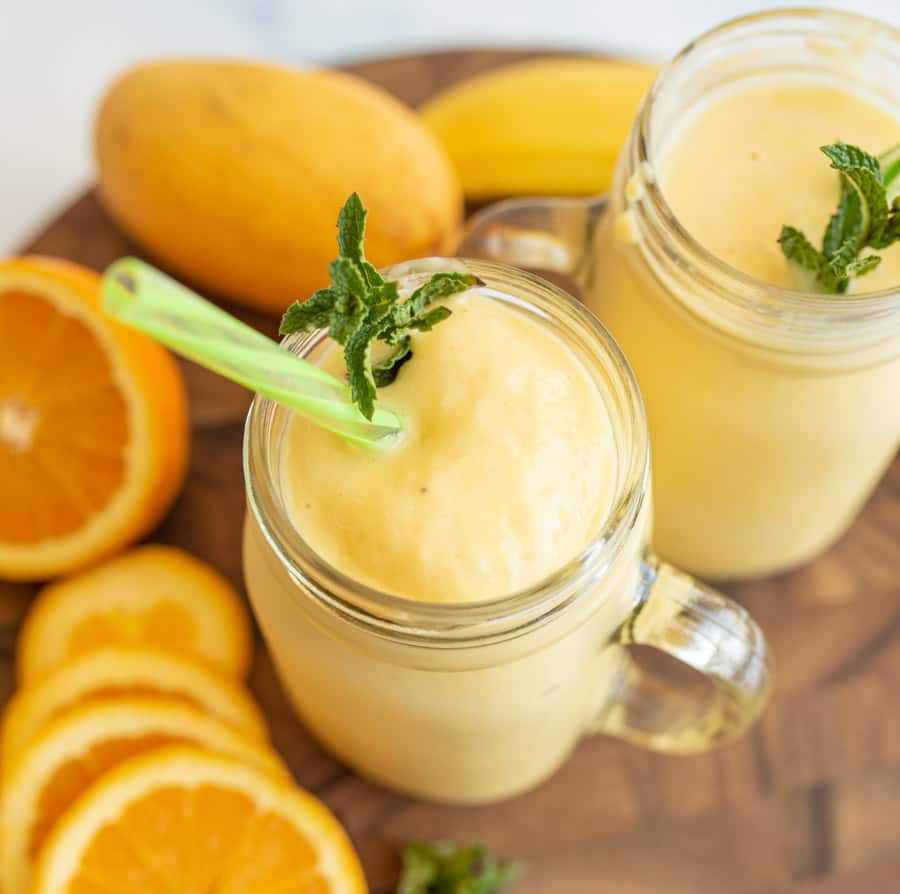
{"x": 154, "y": 595}
{"x": 125, "y": 671}
{"x": 93, "y": 423}
{"x": 83, "y": 744}
{"x": 178, "y": 819}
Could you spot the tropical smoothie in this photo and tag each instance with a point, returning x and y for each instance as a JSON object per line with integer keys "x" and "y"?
{"x": 505, "y": 471}
{"x": 765, "y": 445}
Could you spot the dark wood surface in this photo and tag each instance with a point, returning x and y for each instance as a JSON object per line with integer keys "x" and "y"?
{"x": 807, "y": 803}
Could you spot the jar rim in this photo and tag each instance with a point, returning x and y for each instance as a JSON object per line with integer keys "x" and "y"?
{"x": 862, "y": 311}
{"x": 490, "y": 620}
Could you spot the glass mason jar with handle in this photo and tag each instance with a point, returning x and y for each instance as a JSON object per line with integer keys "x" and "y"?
{"x": 773, "y": 413}
{"x": 479, "y": 701}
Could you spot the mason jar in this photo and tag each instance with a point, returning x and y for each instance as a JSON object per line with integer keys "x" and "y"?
{"x": 479, "y": 701}
{"x": 773, "y": 413}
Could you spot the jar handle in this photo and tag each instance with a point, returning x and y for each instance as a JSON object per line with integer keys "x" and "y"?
{"x": 553, "y": 234}
{"x": 706, "y": 631}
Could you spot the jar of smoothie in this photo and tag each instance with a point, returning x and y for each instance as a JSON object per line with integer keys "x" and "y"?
{"x": 451, "y": 614}
{"x": 773, "y": 412}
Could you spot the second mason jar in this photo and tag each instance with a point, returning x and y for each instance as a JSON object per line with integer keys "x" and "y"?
{"x": 773, "y": 412}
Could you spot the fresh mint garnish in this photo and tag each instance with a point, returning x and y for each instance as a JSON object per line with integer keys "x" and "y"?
{"x": 868, "y": 216}
{"x": 360, "y": 307}
{"x": 444, "y": 868}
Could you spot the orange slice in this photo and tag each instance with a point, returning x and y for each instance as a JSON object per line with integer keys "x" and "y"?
{"x": 93, "y": 423}
{"x": 154, "y": 595}
{"x": 177, "y": 820}
{"x": 125, "y": 671}
{"x": 82, "y": 745}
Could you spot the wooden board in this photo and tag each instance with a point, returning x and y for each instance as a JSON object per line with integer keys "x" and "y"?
{"x": 807, "y": 803}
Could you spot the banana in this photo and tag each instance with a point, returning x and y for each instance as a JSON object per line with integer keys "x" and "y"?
{"x": 550, "y": 126}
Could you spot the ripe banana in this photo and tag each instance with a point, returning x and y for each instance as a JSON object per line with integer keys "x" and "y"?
{"x": 548, "y": 126}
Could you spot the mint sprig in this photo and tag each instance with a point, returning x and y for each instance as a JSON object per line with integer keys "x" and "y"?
{"x": 360, "y": 308}
{"x": 868, "y": 216}
{"x": 445, "y": 868}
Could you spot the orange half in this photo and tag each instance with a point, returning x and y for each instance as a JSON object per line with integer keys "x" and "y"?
{"x": 179, "y": 819}
{"x": 93, "y": 423}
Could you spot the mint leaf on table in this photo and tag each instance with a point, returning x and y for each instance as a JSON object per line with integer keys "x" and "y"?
{"x": 868, "y": 216}
{"x": 360, "y": 308}
{"x": 446, "y": 868}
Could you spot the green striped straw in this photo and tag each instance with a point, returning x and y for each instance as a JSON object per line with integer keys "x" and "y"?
{"x": 143, "y": 297}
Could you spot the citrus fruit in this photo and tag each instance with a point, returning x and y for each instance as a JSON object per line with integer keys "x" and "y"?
{"x": 93, "y": 423}
{"x": 82, "y": 745}
{"x": 125, "y": 671}
{"x": 178, "y": 819}
{"x": 153, "y": 595}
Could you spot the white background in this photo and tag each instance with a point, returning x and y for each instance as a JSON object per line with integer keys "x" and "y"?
{"x": 56, "y": 56}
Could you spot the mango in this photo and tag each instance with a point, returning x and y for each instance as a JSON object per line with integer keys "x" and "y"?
{"x": 549, "y": 126}
{"x": 231, "y": 174}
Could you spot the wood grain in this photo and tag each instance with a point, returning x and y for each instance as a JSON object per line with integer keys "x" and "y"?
{"x": 807, "y": 803}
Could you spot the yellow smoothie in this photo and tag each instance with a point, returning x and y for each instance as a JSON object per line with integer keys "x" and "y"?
{"x": 452, "y": 614}
{"x": 506, "y": 469}
{"x": 764, "y": 449}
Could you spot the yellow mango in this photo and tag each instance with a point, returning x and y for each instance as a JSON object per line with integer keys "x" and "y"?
{"x": 549, "y": 126}
{"x": 231, "y": 174}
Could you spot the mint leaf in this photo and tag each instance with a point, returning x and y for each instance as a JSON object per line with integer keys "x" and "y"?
{"x": 844, "y": 157}
{"x": 874, "y": 199}
{"x": 420, "y": 869}
{"x": 428, "y": 319}
{"x": 445, "y": 868}
{"x": 889, "y": 232}
{"x": 866, "y": 217}
{"x": 862, "y": 265}
{"x": 314, "y": 313}
{"x": 373, "y": 277}
{"x": 811, "y": 268}
{"x": 798, "y": 249}
{"x": 414, "y": 313}
{"x": 358, "y": 356}
{"x": 441, "y": 285}
{"x": 862, "y": 172}
{"x": 843, "y": 257}
{"x": 348, "y": 314}
{"x": 846, "y": 223}
{"x": 360, "y": 307}
{"x": 351, "y": 225}
{"x": 348, "y": 279}
{"x": 382, "y": 300}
